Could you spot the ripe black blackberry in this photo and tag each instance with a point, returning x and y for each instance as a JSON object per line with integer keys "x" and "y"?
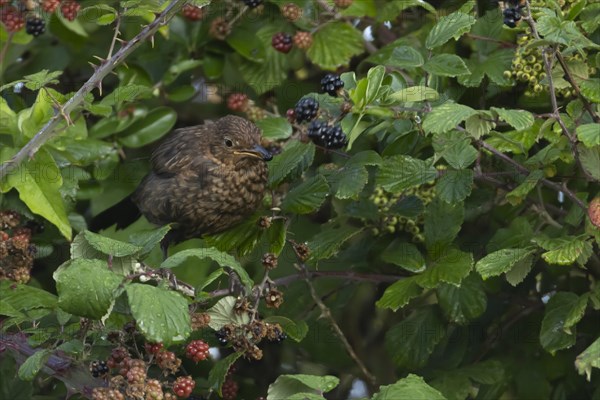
{"x": 306, "y": 109}
{"x": 253, "y": 3}
{"x": 331, "y": 84}
{"x": 35, "y": 26}
{"x": 330, "y": 137}
{"x": 282, "y": 42}
{"x": 98, "y": 368}
{"x": 511, "y": 16}
{"x": 223, "y": 335}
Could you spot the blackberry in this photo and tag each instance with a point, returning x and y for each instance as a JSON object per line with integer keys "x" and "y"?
{"x": 275, "y": 333}
{"x": 330, "y": 137}
{"x": 253, "y": 3}
{"x": 303, "y": 40}
{"x": 306, "y": 109}
{"x": 291, "y": 12}
{"x": 183, "y": 386}
{"x": 343, "y": 3}
{"x": 35, "y": 26}
{"x": 197, "y": 350}
{"x": 331, "y": 84}
{"x": 511, "y": 17}
{"x": 98, "y": 368}
{"x": 282, "y": 42}
{"x": 223, "y": 335}
{"x": 69, "y": 9}
{"x": 269, "y": 261}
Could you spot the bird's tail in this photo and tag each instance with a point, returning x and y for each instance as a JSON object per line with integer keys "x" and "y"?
{"x": 123, "y": 214}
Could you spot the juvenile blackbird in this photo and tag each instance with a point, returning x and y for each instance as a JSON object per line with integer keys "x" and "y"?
{"x": 203, "y": 180}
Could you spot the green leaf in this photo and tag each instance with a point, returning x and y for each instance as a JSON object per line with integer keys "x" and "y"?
{"x": 446, "y": 117}
{"x": 86, "y": 288}
{"x": 414, "y": 94}
{"x": 405, "y": 255}
{"x": 327, "y": 242}
{"x": 34, "y": 363}
{"x": 286, "y": 386}
{"x": 442, "y": 223}
{"x": 295, "y": 156}
{"x": 82, "y": 249}
{"x": 590, "y": 88}
{"x": 223, "y": 313}
{"x": 277, "y": 234}
{"x": 590, "y": 160}
{"x": 40, "y": 79}
{"x": 8, "y": 119}
{"x": 463, "y": 303}
{"x": 160, "y": 314}
{"x": 451, "y": 26}
{"x": 408, "y": 346}
{"x": 520, "y": 270}
{"x": 374, "y": 80}
{"x": 398, "y": 173}
{"x": 577, "y": 312}
{"x": 518, "y": 194}
{"x": 399, "y": 294}
{"x": 334, "y": 44}
{"x": 412, "y": 387}
{"x": 552, "y": 334}
{"x": 455, "y": 186}
{"x": 24, "y": 298}
{"x": 31, "y": 120}
{"x": 588, "y": 359}
{"x": 554, "y": 29}
{"x": 565, "y": 250}
{"x": 219, "y": 372}
{"x": 501, "y": 261}
{"x": 446, "y": 65}
{"x": 295, "y": 330}
{"x": 223, "y": 259}
{"x": 110, "y": 246}
{"x": 149, "y": 239}
{"x": 275, "y": 128}
{"x": 518, "y": 119}
{"x": 451, "y": 267}
{"x": 589, "y": 134}
{"x": 306, "y": 197}
{"x": 349, "y": 181}
{"x": 455, "y": 147}
{"x": 492, "y": 65}
{"x": 242, "y": 238}
{"x": 397, "y": 56}
{"x": 126, "y": 94}
{"x": 38, "y": 181}
{"x": 149, "y": 129}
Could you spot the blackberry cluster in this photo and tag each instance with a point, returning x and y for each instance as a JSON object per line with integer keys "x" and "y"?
{"x": 306, "y": 109}
{"x": 16, "y": 250}
{"x": 183, "y": 386}
{"x": 35, "y": 26}
{"x": 282, "y": 42}
{"x": 303, "y": 40}
{"x": 245, "y": 338}
{"x": 12, "y": 18}
{"x": 393, "y": 223}
{"x": 325, "y": 135}
{"x": 291, "y": 12}
{"x": 252, "y": 3}
{"x": 99, "y": 368}
{"x": 332, "y": 84}
{"x": 197, "y": 350}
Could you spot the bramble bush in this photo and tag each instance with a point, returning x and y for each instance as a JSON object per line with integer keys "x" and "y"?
{"x": 431, "y": 227}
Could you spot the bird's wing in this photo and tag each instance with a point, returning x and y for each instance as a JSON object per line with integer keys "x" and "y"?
{"x": 180, "y": 151}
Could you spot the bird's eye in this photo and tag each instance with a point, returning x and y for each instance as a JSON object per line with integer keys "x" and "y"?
{"x": 228, "y": 143}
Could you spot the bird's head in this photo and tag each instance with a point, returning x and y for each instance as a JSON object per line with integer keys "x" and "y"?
{"x": 236, "y": 139}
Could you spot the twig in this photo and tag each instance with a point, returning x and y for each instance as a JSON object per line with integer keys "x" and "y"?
{"x": 326, "y": 313}
{"x": 115, "y": 36}
{"x": 524, "y": 171}
{"x": 29, "y": 150}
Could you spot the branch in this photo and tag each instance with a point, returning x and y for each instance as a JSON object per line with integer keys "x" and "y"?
{"x": 105, "y": 67}
{"x": 524, "y": 171}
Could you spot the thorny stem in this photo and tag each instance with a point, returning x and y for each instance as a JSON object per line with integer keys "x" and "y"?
{"x": 106, "y": 67}
{"x": 326, "y": 313}
{"x": 524, "y": 171}
{"x": 115, "y": 36}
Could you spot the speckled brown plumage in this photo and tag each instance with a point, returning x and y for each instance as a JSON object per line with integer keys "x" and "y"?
{"x": 205, "y": 179}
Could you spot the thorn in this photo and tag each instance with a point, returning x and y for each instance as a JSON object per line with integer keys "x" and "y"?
{"x": 152, "y": 40}
{"x": 102, "y": 60}
{"x": 94, "y": 66}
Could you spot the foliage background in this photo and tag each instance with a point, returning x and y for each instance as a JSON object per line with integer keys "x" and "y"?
{"x": 494, "y": 294}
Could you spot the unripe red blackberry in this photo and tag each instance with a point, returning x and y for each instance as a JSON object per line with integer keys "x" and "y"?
{"x": 35, "y": 26}
{"x": 154, "y": 390}
{"x": 50, "y": 6}
{"x": 192, "y": 12}
{"x": 343, "y": 3}
{"x": 291, "y": 115}
{"x": 167, "y": 361}
{"x": 200, "y": 320}
{"x": 12, "y": 19}
{"x": 229, "y": 390}
{"x": 282, "y": 42}
{"x": 306, "y": 109}
{"x": 291, "y": 12}
{"x": 69, "y": 9}
{"x": 237, "y": 102}
{"x": 153, "y": 348}
{"x": 197, "y": 350}
{"x": 183, "y": 386}
{"x": 303, "y": 40}
{"x": 219, "y": 28}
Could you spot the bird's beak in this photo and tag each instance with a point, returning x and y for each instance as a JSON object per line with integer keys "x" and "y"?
{"x": 258, "y": 152}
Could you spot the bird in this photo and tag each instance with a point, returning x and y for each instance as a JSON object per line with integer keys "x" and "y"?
{"x": 203, "y": 180}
